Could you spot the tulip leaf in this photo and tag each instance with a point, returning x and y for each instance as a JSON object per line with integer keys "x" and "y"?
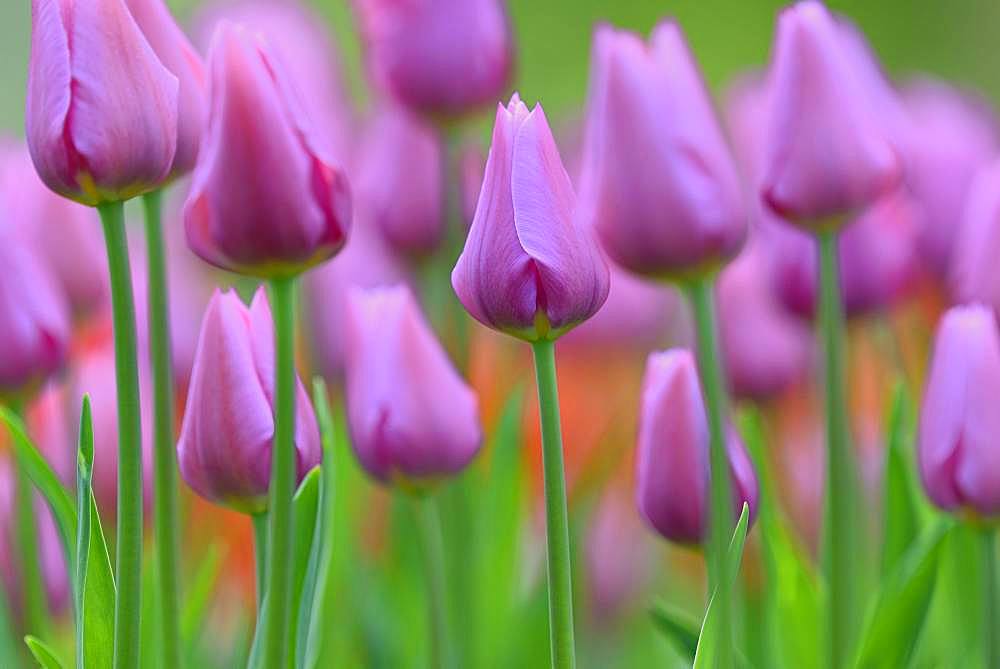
{"x": 43, "y": 653}
{"x": 200, "y": 593}
{"x": 901, "y": 515}
{"x": 900, "y": 606}
{"x": 680, "y": 628}
{"x": 94, "y": 591}
{"x": 305, "y": 510}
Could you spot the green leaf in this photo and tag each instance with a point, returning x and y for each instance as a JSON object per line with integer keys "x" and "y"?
{"x": 901, "y": 514}
{"x": 680, "y": 628}
{"x": 200, "y": 593}
{"x": 305, "y": 510}
{"x": 900, "y": 607}
{"x": 94, "y": 592}
{"x": 43, "y": 654}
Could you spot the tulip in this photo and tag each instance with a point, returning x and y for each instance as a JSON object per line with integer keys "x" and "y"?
{"x": 954, "y": 135}
{"x": 412, "y": 418}
{"x": 958, "y": 453}
{"x": 225, "y": 445}
{"x": 975, "y": 272}
{"x": 672, "y": 463}
{"x": 527, "y": 268}
{"x": 619, "y": 561}
{"x": 438, "y": 57}
{"x": 263, "y": 200}
{"x": 826, "y": 152}
{"x": 400, "y": 181}
{"x": 658, "y": 182}
{"x": 102, "y": 110}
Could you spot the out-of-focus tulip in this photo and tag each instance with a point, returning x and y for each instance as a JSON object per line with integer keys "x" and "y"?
{"x": 297, "y": 35}
{"x": 826, "y": 153}
{"x": 765, "y": 348}
{"x": 264, "y": 201}
{"x": 958, "y": 451}
{"x": 412, "y": 418}
{"x": 528, "y": 268}
{"x": 400, "y": 180}
{"x": 224, "y": 450}
{"x": 49, "y": 425}
{"x": 471, "y": 164}
{"x": 975, "y": 274}
{"x": 366, "y": 263}
{"x": 672, "y": 463}
{"x": 178, "y": 55}
{"x": 102, "y": 109}
{"x": 438, "y": 57}
{"x": 659, "y": 183}
{"x": 618, "y": 558}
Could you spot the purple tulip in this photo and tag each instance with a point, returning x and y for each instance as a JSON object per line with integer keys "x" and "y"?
{"x": 528, "y": 268}
{"x": 177, "y": 54}
{"x": 975, "y": 273}
{"x": 659, "y": 184}
{"x": 224, "y": 450}
{"x": 438, "y": 57}
{"x": 400, "y": 180}
{"x": 102, "y": 109}
{"x": 263, "y": 200}
{"x": 619, "y": 559}
{"x": 672, "y": 463}
{"x": 958, "y": 452}
{"x": 412, "y": 418}
{"x": 827, "y": 153}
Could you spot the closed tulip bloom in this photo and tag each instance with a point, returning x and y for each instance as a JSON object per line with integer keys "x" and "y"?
{"x": 400, "y": 181}
{"x": 672, "y": 463}
{"x": 975, "y": 272}
{"x": 178, "y": 55}
{"x": 101, "y": 109}
{"x": 264, "y": 201}
{"x": 528, "y": 268}
{"x": 438, "y": 57}
{"x": 412, "y": 418}
{"x": 826, "y": 153}
{"x": 658, "y": 183}
{"x": 958, "y": 452}
{"x": 618, "y": 556}
{"x": 224, "y": 450}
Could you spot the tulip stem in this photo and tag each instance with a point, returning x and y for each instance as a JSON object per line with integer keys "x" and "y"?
{"x": 280, "y": 537}
{"x": 701, "y": 293}
{"x": 128, "y": 560}
{"x": 429, "y": 524}
{"x": 991, "y": 648}
{"x": 556, "y": 515}
{"x": 164, "y": 455}
{"x": 36, "y": 610}
{"x": 838, "y": 520}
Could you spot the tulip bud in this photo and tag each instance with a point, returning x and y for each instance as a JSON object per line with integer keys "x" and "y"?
{"x": 658, "y": 183}
{"x": 826, "y": 153}
{"x": 412, "y": 418}
{"x": 975, "y": 273}
{"x": 528, "y": 269}
{"x": 400, "y": 181}
{"x": 618, "y": 555}
{"x": 102, "y": 109}
{"x": 958, "y": 452}
{"x": 176, "y": 53}
{"x": 672, "y": 462}
{"x": 438, "y": 57}
{"x": 263, "y": 200}
{"x": 224, "y": 451}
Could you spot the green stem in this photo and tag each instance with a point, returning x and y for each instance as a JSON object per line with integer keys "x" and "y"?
{"x": 36, "y": 610}
{"x": 991, "y": 647}
{"x": 164, "y": 455}
{"x": 720, "y": 527}
{"x": 280, "y": 536}
{"x": 839, "y": 546}
{"x": 128, "y": 561}
{"x": 429, "y": 524}
{"x": 556, "y": 516}
{"x": 259, "y": 521}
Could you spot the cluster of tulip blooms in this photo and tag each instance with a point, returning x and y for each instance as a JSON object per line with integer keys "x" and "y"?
{"x": 825, "y": 191}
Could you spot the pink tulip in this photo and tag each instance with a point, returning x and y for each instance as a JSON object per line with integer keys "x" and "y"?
{"x": 263, "y": 200}
{"x": 412, "y": 417}
{"x": 400, "y": 180}
{"x": 224, "y": 450}
{"x": 619, "y": 561}
{"x": 672, "y": 464}
{"x": 958, "y": 452}
{"x": 658, "y": 183}
{"x": 102, "y": 109}
{"x": 975, "y": 272}
{"x": 827, "y": 154}
{"x": 177, "y": 54}
{"x": 438, "y": 57}
{"x": 528, "y": 268}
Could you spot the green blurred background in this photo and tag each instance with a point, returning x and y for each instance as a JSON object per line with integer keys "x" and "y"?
{"x": 957, "y": 39}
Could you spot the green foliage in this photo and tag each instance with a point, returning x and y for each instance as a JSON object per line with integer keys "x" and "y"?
{"x": 43, "y": 653}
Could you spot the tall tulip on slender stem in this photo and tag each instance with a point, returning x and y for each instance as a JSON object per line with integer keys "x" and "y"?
{"x": 271, "y": 207}
{"x": 530, "y": 271}
{"x": 102, "y": 128}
